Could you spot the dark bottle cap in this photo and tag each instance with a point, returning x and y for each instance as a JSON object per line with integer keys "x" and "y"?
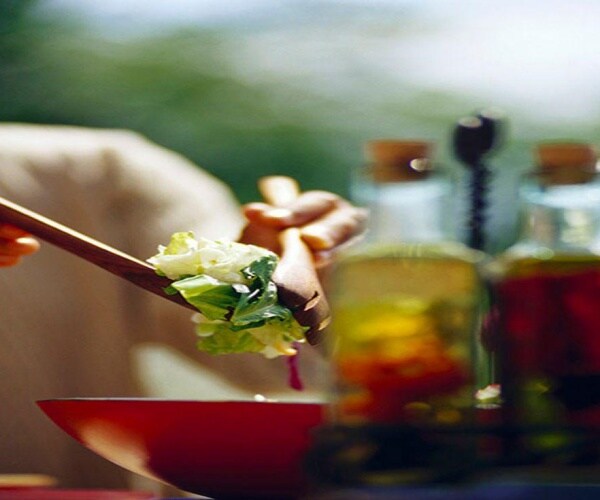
{"x": 566, "y": 162}
{"x": 398, "y": 160}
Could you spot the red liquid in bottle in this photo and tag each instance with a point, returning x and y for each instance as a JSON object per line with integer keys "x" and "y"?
{"x": 550, "y": 312}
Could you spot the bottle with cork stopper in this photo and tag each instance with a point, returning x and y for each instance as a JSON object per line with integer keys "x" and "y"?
{"x": 547, "y": 289}
{"x": 405, "y": 305}
{"x": 400, "y": 178}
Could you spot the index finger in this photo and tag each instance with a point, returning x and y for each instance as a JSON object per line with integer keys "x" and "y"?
{"x": 335, "y": 228}
{"x": 307, "y": 207}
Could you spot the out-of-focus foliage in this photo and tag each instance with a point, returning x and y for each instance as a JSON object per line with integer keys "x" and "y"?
{"x": 190, "y": 90}
{"x": 177, "y": 89}
{"x": 182, "y": 89}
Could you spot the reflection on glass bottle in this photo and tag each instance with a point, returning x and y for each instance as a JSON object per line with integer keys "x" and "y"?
{"x": 548, "y": 291}
{"x": 405, "y": 309}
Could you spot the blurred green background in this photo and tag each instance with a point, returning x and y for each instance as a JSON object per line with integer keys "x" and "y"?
{"x": 296, "y": 87}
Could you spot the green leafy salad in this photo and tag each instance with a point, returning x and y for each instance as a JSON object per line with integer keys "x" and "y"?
{"x": 231, "y": 286}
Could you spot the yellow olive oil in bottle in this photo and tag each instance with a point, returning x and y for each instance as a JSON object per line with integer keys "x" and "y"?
{"x": 406, "y": 308}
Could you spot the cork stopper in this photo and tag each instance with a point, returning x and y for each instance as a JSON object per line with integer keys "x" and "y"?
{"x": 566, "y": 163}
{"x": 397, "y": 161}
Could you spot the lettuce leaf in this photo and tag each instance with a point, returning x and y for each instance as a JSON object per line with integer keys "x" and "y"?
{"x": 231, "y": 286}
{"x": 212, "y": 297}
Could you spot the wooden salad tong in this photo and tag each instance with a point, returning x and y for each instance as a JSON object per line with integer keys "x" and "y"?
{"x": 125, "y": 266}
{"x": 298, "y": 284}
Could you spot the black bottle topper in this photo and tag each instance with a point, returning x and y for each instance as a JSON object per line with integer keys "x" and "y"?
{"x": 474, "y": 138}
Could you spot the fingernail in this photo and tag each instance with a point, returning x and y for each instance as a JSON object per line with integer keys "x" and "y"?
{"x": 279, "y": 213}
{"x": 318, "y": 239}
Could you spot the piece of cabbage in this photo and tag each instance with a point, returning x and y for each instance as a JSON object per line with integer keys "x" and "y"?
{"x": 230, "y": 284}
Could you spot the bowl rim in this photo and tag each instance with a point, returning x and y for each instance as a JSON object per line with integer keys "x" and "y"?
{"x": 120, "y": 399}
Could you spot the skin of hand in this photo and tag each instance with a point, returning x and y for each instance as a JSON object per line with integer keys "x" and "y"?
{"x": 326, "y": 221}
{"x": 15, "y": 244}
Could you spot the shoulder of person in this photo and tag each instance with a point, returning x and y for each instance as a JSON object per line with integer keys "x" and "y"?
{"x": 118, "y": 167}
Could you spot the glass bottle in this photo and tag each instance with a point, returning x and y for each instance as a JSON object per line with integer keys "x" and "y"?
{"x": 390, "y": 186}
{"x": 548, "y": 294}
{"x": 405, "y": 308}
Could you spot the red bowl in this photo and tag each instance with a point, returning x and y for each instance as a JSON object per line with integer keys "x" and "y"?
{"x": 239, "y": 449}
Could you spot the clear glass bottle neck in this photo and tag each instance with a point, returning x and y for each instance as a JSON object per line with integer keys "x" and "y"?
{"x": 561, "y": 217}
{"x": 406, "y": 212}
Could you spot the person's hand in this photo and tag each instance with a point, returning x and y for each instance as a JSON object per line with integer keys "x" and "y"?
{"x": 14, "y": 244}
{"x": 326, "y": 221}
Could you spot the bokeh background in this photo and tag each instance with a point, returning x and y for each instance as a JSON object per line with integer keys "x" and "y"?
{"x": 246, "y": 88}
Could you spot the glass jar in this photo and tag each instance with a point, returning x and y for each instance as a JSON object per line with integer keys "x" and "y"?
{"x": 406, "y": 310}
{"x": 405, "y": 196}
{"x": 548, "y": 294}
